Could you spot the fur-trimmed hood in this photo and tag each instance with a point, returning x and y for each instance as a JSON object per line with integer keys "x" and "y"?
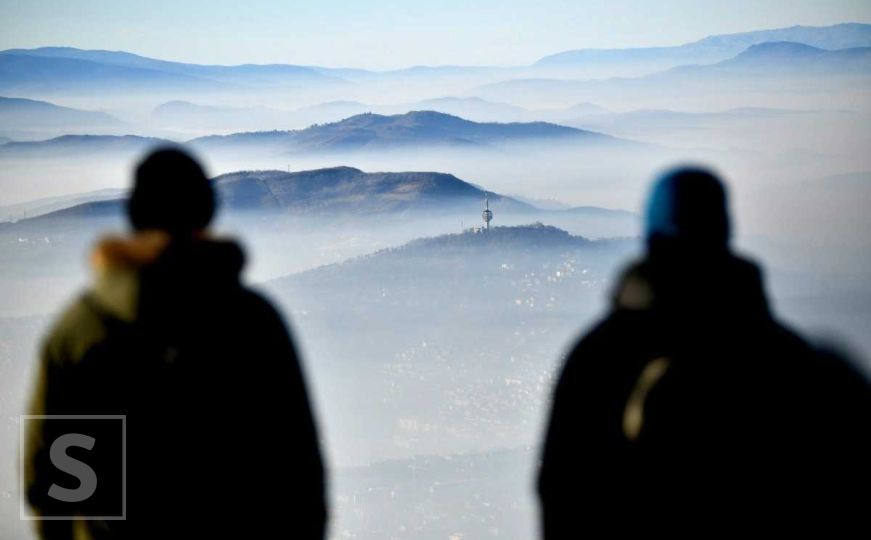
{"x": 121, "y": 264}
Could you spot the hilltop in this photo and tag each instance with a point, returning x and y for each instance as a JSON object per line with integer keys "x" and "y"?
{"x": 540, "y": 266}
{"x": 415, "y": 128}
{"x": 351, "y": 191}
{"x": 368, "y": 131}
{"x": 338, "y": 192}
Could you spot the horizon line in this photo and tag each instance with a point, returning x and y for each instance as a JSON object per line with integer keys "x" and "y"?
{"x": 429, "y": 66}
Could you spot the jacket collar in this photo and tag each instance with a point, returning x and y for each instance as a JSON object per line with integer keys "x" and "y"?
{"x": 119, "y": 263}
{"x": 678, "y": 285}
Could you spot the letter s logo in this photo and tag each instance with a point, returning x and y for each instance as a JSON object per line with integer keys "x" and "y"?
{"x": 86, "y": 475}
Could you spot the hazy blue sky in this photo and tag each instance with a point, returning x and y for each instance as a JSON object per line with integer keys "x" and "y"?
{"x": 393, "y": 33}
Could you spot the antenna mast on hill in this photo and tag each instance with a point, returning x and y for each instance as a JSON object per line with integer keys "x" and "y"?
{"x": 487, "y": 214}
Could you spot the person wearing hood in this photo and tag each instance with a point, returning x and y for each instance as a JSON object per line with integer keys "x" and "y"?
{"x": 220, "y": 437}
{"x": 689, "y": 404}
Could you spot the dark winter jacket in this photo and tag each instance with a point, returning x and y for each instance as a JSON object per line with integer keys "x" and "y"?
{"x": 220, "y": 439}
{"x": 689, "y": 404}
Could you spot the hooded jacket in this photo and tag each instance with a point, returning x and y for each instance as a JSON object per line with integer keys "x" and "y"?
{"x": 220, "y": 439}
{"x": 689, "y": 406}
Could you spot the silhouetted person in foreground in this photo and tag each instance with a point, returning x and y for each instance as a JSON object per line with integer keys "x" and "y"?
{"x": 220, "y": 439}
{"x": 689, "y": 408}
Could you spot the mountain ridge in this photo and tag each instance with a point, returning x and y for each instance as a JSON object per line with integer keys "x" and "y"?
{"x": 358, "y": 132}
{"x": 65, "y": 144}
{"x": 762, "y": 66}
{"x": 836, "y": 36}
{"x": 369, "y": 129}
{"x": 333, "y": 191}
{"x": 220, "y": 75}
{"x": 722, "y": 46}
{"x": 506, "y": 269}
{"x": 22, "y": 118}
{"x": 337, "y": 194}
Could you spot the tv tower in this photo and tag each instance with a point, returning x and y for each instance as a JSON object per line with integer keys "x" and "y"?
{"x": 487, "y": 214}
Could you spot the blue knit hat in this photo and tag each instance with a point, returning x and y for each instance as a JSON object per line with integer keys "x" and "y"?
{"x": 688, "y": 206}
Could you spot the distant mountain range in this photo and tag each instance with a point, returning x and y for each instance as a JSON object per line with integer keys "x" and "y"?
{"x": 663, "y": 120}
{"x": 416, "y": 128}
{"x": 28, "y": 72}
{"x": 788, "y": 58}
{"x": 56, "y": 69}
{"x": 360, "y": 132}
{"x": 66, "y": 70}
{"x": 31, "y": 120}
{"x": 81, "y": 145}
{"x": 201, "y": 119}
{"x": 717, "y": 48}
{"x": 27, "y": 119}
{"x": 763, "y": 67}
{"x": 34, "y": 120}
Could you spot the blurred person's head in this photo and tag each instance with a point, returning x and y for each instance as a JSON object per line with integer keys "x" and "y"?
{"x": 171, "y": 193}
{"x": 688, "y": 210}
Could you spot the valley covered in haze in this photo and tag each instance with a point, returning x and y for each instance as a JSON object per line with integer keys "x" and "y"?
{"x": 431, "y": 343}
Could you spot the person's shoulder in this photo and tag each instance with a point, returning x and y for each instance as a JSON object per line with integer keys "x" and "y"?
{"x": 744, "y": 267}
{"x": 76, "y": 329}
{"x": 259, "y": 309}
{"x": 788, "y": 337}
{"x": 845, "y": 366}
{"x": 254, "y": 299}
{"x": 814, "y": 364}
